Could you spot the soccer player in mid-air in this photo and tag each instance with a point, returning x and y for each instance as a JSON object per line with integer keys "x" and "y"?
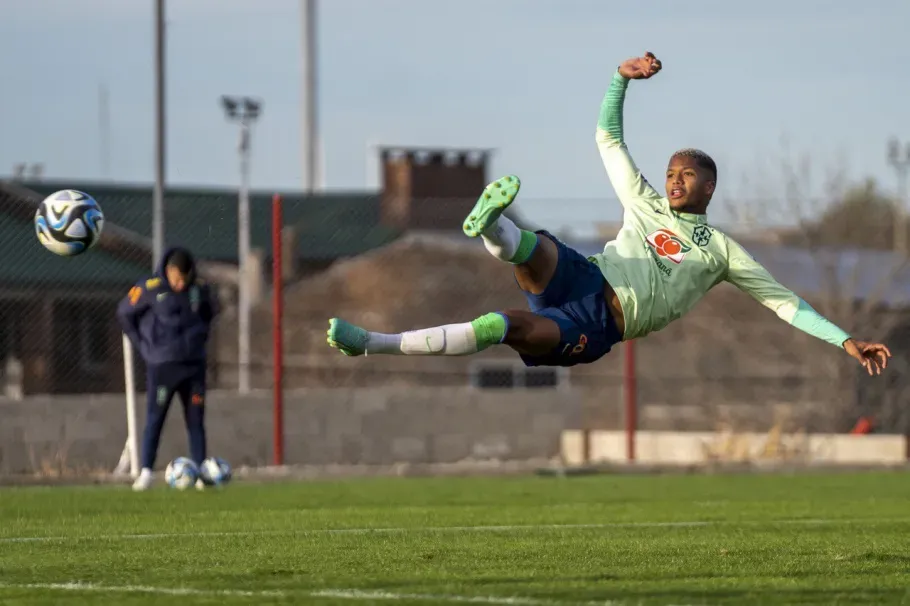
{"x": 664, "y": 259}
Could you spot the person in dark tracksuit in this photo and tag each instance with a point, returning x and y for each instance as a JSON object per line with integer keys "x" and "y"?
{"x": 167, "y": 318}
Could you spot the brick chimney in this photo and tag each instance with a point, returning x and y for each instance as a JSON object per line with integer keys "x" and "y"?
{"x": 430, "y": 188}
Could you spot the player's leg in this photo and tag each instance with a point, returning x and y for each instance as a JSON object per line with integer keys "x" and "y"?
{"x": 534, "y": 256}
{"x": 192, "y": 397}
{"x": 523, "y": 331}
{"x": 531, "y": 334}
{"x": 544, "y": 268}
{"x": 158, "y": 399}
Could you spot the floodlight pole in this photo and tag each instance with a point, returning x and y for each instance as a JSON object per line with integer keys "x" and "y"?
{"x": 308, "y": 10}
{"x": 245, "y": 111}
{"x": 158, "y": 192}
{"x": 901, "y": 164}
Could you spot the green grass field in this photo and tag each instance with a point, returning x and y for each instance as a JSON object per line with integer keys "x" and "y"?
{"x": 801, "y": 539}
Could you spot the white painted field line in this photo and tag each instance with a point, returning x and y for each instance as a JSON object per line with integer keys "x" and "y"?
{"x": 345, "y": 594}
{"x": 455, "y": 529}
{"x": 176, "y": 591}
{"x": 357, "y": 594}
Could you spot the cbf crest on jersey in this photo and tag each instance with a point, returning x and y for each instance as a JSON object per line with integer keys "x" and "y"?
{"x": 668, "y": 245}
{"x": 701, "y": 235}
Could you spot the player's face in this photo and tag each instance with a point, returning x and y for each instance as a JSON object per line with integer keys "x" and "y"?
{"x": 689, "y": 187}
{"x": 176, "y": 278}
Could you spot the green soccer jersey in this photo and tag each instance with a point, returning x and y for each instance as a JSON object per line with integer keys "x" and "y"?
{"x": 662, "y": 262}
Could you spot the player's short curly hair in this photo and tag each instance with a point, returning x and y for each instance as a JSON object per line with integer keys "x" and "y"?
{"x": 702, "y": 159}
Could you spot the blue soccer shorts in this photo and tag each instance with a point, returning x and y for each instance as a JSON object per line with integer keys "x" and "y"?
{"x": 574, "y": 299}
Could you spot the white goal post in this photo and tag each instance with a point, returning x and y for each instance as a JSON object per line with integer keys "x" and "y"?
{"x": 129, "y": 458}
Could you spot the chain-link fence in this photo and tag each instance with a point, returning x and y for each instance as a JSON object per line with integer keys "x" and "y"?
{"x": 348, "y": 256}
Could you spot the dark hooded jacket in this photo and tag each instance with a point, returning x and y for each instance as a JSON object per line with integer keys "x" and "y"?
{"x": 166, "y": 326}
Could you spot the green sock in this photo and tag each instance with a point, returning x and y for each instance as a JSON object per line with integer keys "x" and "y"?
{"x": 489, "y": 330}
{"x": 526, "y": 247}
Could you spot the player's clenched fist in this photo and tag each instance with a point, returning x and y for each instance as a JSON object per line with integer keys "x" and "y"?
{"x": 640, "y": 68}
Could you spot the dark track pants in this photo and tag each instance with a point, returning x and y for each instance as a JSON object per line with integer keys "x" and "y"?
{"x": 163, "y": 382}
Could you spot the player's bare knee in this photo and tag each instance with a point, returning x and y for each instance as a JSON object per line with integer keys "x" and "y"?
{"x": 530, "y": 333}
{"x": 534, "y": 275}
{"x": 517, "y": 329}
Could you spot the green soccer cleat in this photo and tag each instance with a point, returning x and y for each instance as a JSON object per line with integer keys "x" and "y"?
{"x": 351, "y": 340}
{"x": 495, "y": 199}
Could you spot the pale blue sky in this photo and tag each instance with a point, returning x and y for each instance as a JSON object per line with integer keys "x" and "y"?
{"x": 523, "y": 76}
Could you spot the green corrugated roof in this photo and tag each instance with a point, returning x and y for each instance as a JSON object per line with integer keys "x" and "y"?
{"x": 330, "y": 225}
{"x": 28, "y": 264}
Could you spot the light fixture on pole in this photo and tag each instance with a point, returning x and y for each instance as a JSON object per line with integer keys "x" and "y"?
{"x": 245, "y": 111}
{"x": 24, "y": 171}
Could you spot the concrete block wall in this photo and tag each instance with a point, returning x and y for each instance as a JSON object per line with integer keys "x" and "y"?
{"x": 321, "y": 427}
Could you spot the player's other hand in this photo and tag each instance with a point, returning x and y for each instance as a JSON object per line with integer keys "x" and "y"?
{"x": 640, "y": 68}
{"x": 873, "y": 356}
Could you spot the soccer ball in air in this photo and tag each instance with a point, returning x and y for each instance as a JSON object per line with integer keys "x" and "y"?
{"x": 181, "y": 473}
{"x": 215, "y": 471}
{"x": 68, "y": 222}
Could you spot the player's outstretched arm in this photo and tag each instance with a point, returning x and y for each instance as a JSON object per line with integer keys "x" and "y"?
{"x": 752, "y": 278}
{"x": 630, "y": 185}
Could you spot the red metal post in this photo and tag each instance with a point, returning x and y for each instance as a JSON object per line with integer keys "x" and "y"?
{"x": 630, "y": 395}
{"x": 278, "y": 348}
